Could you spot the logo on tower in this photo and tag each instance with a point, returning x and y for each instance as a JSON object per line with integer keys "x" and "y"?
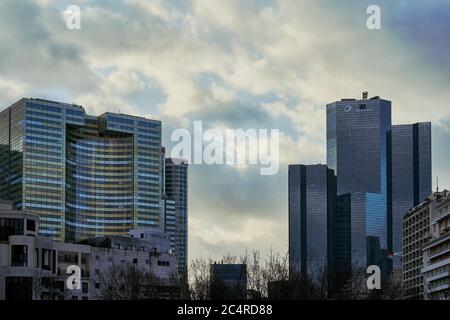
{"x": 348, "y": 108}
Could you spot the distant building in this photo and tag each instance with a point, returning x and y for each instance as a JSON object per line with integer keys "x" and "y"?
{"x": 436, "y": 252}
{"x": 228, "y": 281}
{"x": 312, "y": 195}
{"x": 409, "y": 178}
{"x": 176, "y": 188}
{"x": 33, "y": 267}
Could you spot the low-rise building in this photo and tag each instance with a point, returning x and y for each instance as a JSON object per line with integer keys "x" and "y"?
{"x": 33, "y": 267}
{"x": 228, "y": 281}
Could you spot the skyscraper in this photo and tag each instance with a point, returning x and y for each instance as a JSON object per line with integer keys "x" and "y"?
{"x": 85, "y": 176}
{"x": 312, "y": 193}
{"x": 360, "y": 232}
{"x": 357, "y": 152}
{"x": 176, "y": 186}
{"x": 356, "y": 144}
{"x": 409, "y": 176}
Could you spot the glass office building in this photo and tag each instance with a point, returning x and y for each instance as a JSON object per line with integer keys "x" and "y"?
{"x": 409, "y": 177}
{"x": 176, "y": 188}
{"x": 84, "y": 176}
{"x": 360, "y": 218}
{"x": 357, "y": 152}
{"x": 312, "y": 194}
{"x": 356, "y": 144}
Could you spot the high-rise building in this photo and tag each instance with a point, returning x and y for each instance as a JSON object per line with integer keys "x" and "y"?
{"x": 360, "y": 233}
{"x": 84, "y": 176}
{"x": 357, "y": 152}
{"x": 409, "y": 177}
{"x": 176, "y": 187}
{"x": 312, "y": 194}
{"x": 356, "y": 144}
{"x": 170, "y": 223}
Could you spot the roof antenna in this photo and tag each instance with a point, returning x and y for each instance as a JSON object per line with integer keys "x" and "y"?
{"x": 437, "y": 184}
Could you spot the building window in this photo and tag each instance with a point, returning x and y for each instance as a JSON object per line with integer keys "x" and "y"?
{"x": 135, "y": 261}
{"x": 19, "y": 256}
{"x": 46, "y": 259}
{"x": 84, "y": 288}
{"x": 31, "y": 225}
{"x": 10, "y": 227}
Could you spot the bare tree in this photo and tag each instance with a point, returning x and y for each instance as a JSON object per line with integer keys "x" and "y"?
{"x": 199, "y": 279}
{"x": 124, "y": 282}
{"x": 259, "y": 274}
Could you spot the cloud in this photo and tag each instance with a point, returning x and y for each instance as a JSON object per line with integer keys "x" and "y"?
{"x": 233, "y": 64}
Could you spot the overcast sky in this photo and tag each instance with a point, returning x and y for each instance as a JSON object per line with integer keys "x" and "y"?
{"x": 269, "y": 64}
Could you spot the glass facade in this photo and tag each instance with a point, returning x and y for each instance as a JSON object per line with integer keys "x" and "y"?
{"x": 311, "y": 213}
{"x": 356, "y": 144}
{"x": 83, "y": 175}
{"x": 170, "y": 221}
{"x": 359, "y": 224}
{"x": 409, "y": 176}
{"x": 357, "y": 150}
{"x": 176, "y": 188}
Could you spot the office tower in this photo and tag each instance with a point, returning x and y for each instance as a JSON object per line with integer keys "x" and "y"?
{"x": 85, "y": 176}
{"x": 357, "y": 152}
{"x": 436, "y": 252}
{"x": 360, "y": 233}
{"x": 228, "y": 281}
{"x": 170, "y": 227}
{"x": 312, "y": 193}
{"x": 176, "y": 176}
{"x": 356, "y": 144}
{"x": 409, "y": 177}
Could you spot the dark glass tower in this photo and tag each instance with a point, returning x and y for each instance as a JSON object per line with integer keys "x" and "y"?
{"x": 409, "y": 176}
{"x": 85, "y": 176}
{"x": 176, "y": 186}
{"x": 312, "y": 194}
{"x": 357, "y": 152}
{"x": 356, "y": 144}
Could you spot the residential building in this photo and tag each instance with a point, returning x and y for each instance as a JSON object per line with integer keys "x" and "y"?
{"x": 416, "y": 234}
{"x": 436, "y": 252}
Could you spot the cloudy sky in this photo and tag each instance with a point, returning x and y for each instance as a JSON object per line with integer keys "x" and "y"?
{"x": 269, "y": 64}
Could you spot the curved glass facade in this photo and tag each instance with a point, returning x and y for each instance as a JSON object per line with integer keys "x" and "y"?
{"x": 99, "y": 184}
